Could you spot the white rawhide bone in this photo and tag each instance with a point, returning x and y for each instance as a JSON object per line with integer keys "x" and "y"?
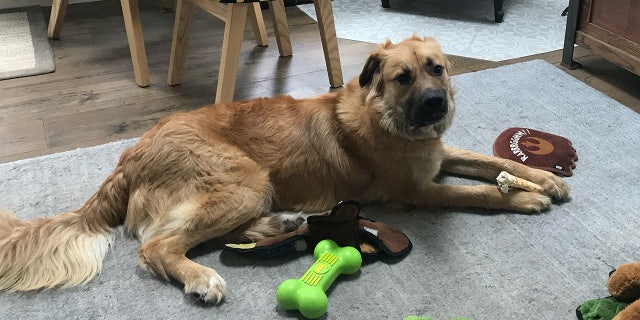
{"x": 506, "y": 180}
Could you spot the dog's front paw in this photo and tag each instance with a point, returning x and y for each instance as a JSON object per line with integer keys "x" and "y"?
{"x": 553, "y": 185}
{"x": 528, "y": 202}
{"x": 209, "y": 286}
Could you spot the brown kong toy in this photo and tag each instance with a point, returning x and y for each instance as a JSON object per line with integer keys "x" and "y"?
{"x": 624, "y": 285}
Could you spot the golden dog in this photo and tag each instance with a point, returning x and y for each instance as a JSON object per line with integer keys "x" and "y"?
{"x": 219, "y": 172}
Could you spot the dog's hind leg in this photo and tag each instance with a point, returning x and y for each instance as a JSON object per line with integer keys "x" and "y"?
{"x": 266, "y": 226}
{"x": 229, "y": 201}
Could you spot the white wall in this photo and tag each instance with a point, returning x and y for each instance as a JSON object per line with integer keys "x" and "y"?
{"x": 4, "y": 4}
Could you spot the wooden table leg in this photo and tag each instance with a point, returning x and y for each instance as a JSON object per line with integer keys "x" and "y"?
{"x": 257, "y": 22}
{"x": 58, "y": 11}
{"x": 231, "y": 44}
{"x": 180, "y": 41}
{"x": 132, "y": 24}
{"x": 281, "y": 27}
{"x": 324, "y": 12}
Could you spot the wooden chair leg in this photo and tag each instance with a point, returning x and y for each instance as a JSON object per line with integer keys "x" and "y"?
{"x": 233, "y": 35}
{"x": 180, "y": 42}
{"x": 132, "y": 24}
{"x": 281, "y": 27}
{"x": 58, "y": 11}
{"x": 324, "y": 12}
{"x": 257, "y": 21}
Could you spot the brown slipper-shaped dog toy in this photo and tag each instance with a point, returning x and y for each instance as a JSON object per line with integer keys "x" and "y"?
{"x": 344, "y": 225}
{"x": 537, "y": 149}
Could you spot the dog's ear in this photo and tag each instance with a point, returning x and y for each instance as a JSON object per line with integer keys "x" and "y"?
{"x": 370, "y": 68}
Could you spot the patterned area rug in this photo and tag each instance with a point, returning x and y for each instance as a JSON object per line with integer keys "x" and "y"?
{"x": 464, "y": 28}
{"x": 24, "y": 46}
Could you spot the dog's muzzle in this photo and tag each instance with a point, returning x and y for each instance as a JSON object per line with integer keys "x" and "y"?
{"x": 428, "y": 108}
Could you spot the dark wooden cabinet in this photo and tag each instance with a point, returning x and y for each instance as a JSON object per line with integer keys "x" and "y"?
{"x": 498, "y": 12}
{"x": 609, "y": 28}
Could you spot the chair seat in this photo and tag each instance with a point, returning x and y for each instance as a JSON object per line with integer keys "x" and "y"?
{"x": 234, "y": 14}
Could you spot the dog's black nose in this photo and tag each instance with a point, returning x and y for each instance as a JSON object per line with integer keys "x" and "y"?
{"x": 430, "y": 107}
{"x": 433, "y": 102}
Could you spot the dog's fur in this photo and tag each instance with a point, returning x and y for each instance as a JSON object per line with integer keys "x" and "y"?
{"x": 219, "y": 172}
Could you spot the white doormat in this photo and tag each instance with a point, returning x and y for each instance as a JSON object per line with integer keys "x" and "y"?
{"x": 24, "y": 46}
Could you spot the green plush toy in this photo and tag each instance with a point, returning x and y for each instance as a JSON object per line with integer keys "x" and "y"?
{"x": 600, "y": 309}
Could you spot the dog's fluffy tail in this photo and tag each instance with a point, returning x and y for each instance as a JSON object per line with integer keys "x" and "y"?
{"x": 64, "y": 250}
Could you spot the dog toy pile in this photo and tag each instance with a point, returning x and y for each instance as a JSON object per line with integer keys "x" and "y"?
{"x": 342, "y": 238}
{"x": 537, "y": 149}
{"x": 624, "y": 303}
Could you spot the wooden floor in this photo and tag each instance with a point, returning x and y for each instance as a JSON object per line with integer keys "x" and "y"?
{"x": 92, "y": 97}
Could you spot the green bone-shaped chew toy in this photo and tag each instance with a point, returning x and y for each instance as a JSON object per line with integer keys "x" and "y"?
{"x": 307, "y": 294}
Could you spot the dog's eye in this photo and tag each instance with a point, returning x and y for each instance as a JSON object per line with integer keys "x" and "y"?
{"x": 404, "y": 78}
{"x": 437, "y": 70}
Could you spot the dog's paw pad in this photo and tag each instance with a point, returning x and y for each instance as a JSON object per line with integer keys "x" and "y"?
{"x": 530, "y": 202}
{"x": 210, "y": 288}
{"x": 292, "y": 221}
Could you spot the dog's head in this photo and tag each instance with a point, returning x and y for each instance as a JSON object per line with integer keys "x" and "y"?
{"x": 410, "y": 83}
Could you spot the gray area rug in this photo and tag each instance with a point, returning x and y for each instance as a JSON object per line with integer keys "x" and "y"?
{"x": 467, "y": 263}
{"x": 24, "y": 45}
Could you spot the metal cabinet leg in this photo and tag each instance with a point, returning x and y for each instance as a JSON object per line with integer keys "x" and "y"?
{"x": 498, "y": 12}
{"x": 570, "y": 35}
